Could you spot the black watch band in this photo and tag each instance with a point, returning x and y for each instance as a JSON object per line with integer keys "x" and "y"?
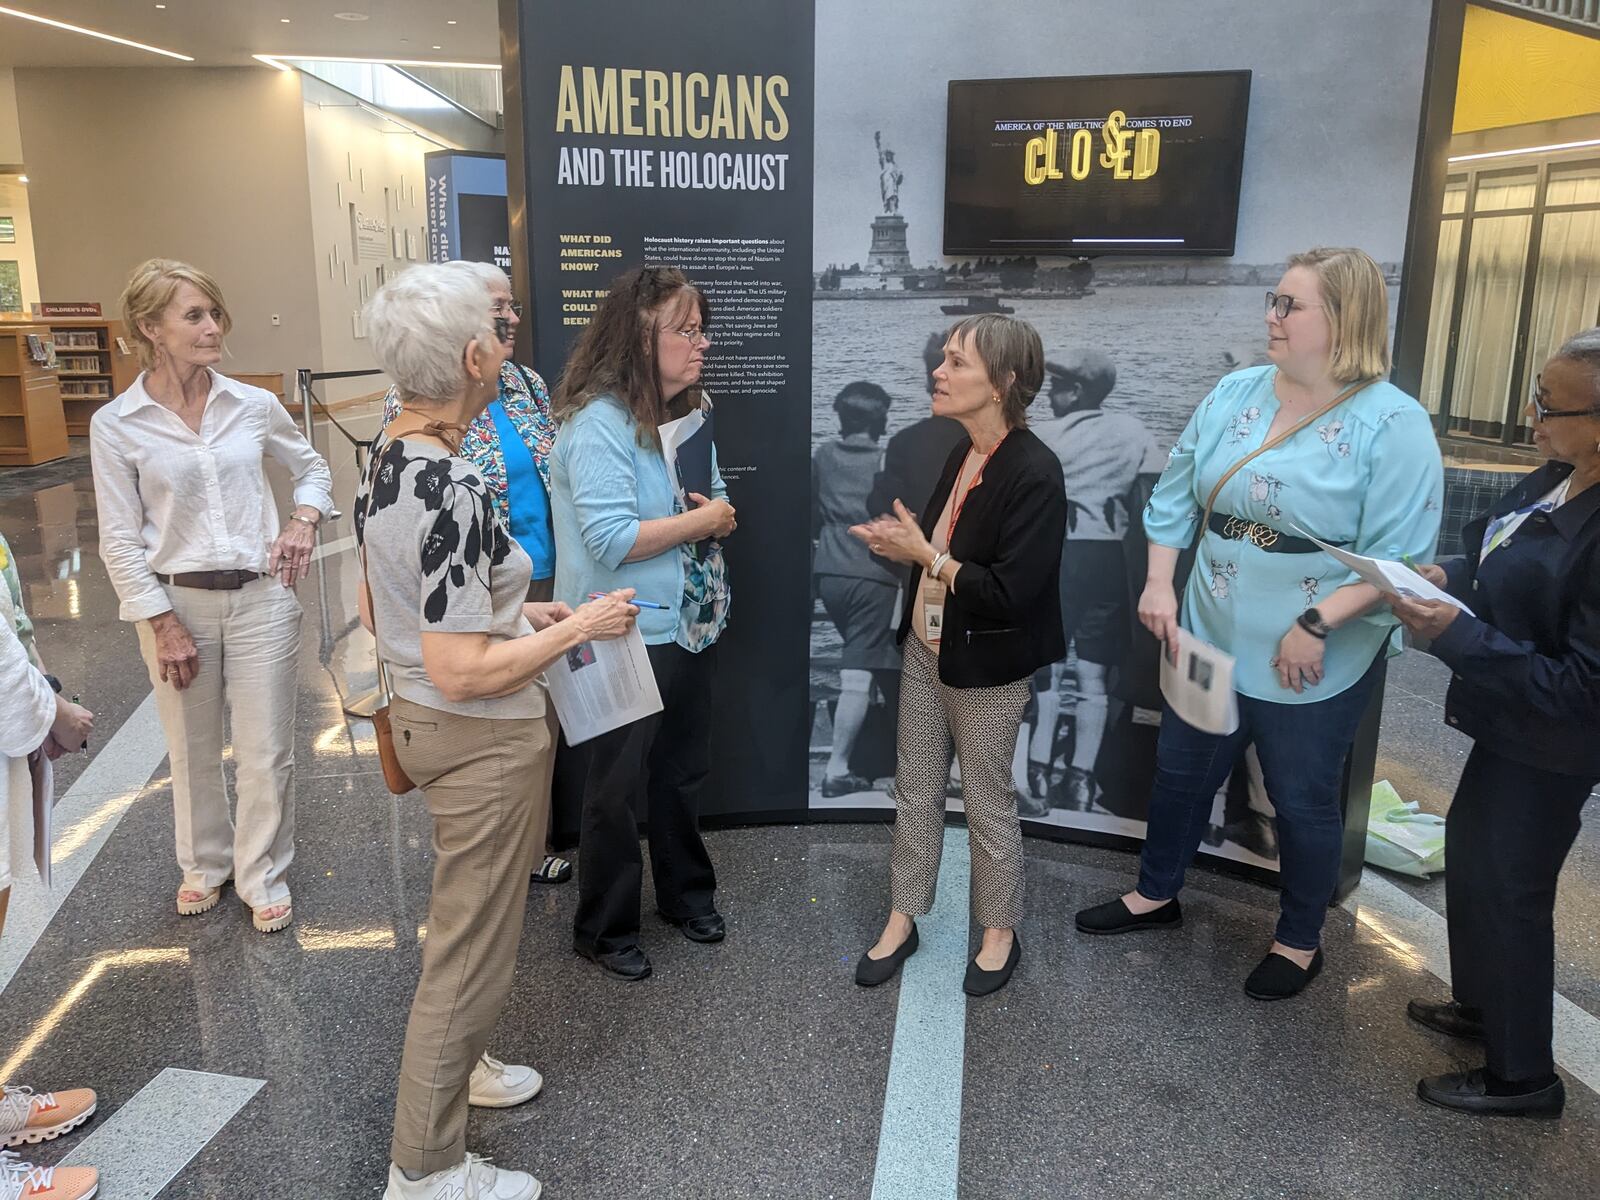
{"x": 1311, "y": 621}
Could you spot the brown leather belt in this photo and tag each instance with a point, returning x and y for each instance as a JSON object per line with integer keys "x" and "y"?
{"x": 212, "y": 581}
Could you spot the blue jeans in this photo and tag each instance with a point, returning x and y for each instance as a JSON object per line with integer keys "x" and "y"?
{"x": 1302, "y": 748}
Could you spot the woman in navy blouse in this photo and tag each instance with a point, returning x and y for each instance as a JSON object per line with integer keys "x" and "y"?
{"x": 1526, "y": 688}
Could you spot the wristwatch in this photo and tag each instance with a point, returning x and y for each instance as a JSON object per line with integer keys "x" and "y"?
{"x": 1311, "y": 621}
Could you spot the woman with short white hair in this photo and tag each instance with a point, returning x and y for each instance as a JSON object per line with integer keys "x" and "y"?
{"x": 192, "y": 541}
{"x": 509, "y": 444}
{"x": 446, "y": 598}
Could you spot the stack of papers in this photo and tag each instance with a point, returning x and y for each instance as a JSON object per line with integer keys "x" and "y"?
{"x": 1389, "y": 577}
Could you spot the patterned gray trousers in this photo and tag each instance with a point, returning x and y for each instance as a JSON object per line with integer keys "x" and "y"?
{"x": 983, "y": 723}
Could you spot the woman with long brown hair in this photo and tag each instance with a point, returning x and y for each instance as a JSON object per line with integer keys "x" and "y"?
{"x": 619, "y": 523}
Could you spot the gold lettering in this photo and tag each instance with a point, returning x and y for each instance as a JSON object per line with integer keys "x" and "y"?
{"x": 722, "y": 110}
{"x": 750, "y": 107}
{"x": 695, "y": 121}
{"x": 568, "y": 117}
{"x": 657, "y": 114}
{"x": 778, "y": 125}
{"x": 1033, "y": 161}
{"x": 1146, "y": 153}
{"x": 630, "y": 101}
{"x": 1117, "y": 150}
{"x": 1082, "y": 154}
{"x": 600, "y": 100}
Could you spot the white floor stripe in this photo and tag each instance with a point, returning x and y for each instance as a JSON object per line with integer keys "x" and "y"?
{"x": 152, "y": 1137}
{"x": 919, "y": 1142}
{"x": 1417, "y": 932}
{"x": 89, "y": 812}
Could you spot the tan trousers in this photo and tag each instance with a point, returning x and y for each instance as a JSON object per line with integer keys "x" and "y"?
{"x": 249, "y": 642}
{"x": 487, "y": 785}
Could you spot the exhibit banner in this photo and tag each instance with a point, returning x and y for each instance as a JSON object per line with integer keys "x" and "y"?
{"x": 467, "y": 207}
{"x": 659, "y": 134}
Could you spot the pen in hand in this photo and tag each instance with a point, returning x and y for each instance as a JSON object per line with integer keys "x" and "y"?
{"x": 636, "y": 602}
{"x": 85, "y": 747}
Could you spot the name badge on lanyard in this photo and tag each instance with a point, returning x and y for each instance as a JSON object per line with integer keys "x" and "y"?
{"x": 933, "y": 590}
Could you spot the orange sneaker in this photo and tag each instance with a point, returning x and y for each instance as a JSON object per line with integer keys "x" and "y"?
{"x": 32, "y": 1117}
{"x": 24, "y": 1181}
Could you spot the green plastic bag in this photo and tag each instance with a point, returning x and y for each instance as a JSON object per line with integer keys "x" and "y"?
{"x": 1401, "y": 837}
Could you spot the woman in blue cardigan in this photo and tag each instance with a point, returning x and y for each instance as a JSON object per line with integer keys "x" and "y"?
{"x": 618, "y": 523}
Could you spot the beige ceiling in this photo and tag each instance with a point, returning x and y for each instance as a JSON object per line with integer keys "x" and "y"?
{"x": 228, "y": 32}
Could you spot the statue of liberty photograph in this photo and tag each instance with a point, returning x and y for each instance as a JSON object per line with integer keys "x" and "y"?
{"x": 889, "y": 175}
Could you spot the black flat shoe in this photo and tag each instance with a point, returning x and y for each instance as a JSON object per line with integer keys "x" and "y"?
{"x": 630, "y": 964}
{"x": 983, "y": 983}
{"x": 1116, "y": 917}
{"x": 870, "y": 972}
{"x": 709, "y": 928}
{"x": 1276, "y": 978}
{"x": 1473, "y": 1092}
{"x": 1450, "y": 1018}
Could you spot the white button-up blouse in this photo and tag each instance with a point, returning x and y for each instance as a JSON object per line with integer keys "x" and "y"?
{"x": 172, "y": 500}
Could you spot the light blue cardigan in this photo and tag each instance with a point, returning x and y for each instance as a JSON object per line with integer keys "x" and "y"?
{"x": 603, "y": 484}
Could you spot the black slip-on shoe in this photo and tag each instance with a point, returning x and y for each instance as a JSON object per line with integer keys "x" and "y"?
{"x": 870, "y": 972}
{"x": 1116, "y": 917}
{"x": 983, "y": 983}
{"x": 1276, "y": 978}
{"x": 631, "y": 963}
{"x": 709, "y": 928}
{"x": 1471, "y": 1092}
{"x": 1455, "y": 1020}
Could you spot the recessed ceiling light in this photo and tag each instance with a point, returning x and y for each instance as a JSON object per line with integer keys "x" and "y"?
{"x": 280, "y": 61}
{"x": 94, "y": 33}
{"x": 161, "y": 6}
{"x": 438, "y": 47}
{"x": 283, "y": 20}
{"x": 349, "y": 16}
{"x": 449, "y": 22}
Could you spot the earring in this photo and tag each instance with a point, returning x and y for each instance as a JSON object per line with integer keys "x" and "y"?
{"x": 997, "y": 397}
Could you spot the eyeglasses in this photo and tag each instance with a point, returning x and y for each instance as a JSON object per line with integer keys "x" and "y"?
{"x": 693, "y": 334}
{"x": 1542, "y": 413}
{"x": 1284, "y": 304}
{"x": 501, "y": 307}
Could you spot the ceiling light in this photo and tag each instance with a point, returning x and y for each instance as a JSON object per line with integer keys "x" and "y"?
{"x": 94, "y": 33}
{"x": 349, "y": 16}
{"x": 22, "y": 179}
{"x": 438, "y": 47}
{"x": 161, "y": 6}
{"x": 449, "y": 22}
{"x": 1507, "y": 153}
{"x": 283, "y": 20}
{"x": 278, "y": 60}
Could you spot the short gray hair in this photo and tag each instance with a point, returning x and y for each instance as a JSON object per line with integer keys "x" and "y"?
{"x": 1583, "y": 347}
{"x": 420, "y": 323}
{"x": 492, "y": 276}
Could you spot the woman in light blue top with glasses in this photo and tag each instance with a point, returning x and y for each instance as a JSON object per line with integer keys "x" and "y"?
{"x": 1315, "y": 441}
{"x": 619, "y": 523}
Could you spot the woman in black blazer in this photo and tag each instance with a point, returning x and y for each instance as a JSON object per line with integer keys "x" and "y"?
{"x": 984, "y": 614}
{"x": 1526, "y": 688}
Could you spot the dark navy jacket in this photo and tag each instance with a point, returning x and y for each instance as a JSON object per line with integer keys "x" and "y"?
{"x": 1526, "y": 677}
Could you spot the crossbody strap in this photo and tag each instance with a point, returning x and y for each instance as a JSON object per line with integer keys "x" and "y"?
{"x": 1274, "y": 443}
{"x": 384, "y": 695}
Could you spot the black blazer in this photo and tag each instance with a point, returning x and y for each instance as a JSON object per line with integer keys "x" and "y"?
{"x": 1526, "y": 676}
{"x": 1003, "y": 620}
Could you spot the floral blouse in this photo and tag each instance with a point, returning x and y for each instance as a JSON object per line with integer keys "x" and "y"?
{"x": 527, "y": 403}
{"x": 1366, "y": 476}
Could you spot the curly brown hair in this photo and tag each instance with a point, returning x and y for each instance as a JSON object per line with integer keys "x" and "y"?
{"x": 616, "y": 354}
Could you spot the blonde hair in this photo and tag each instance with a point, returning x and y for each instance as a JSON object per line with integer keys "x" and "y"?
{"x": 1013, "y": 356}
{"x": 151, "y": 288}
{"x": 1357, "y": 303}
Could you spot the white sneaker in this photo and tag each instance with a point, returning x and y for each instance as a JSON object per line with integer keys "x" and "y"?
{"x": 471, "y": 1179}
{"x": 496, "y": 1085}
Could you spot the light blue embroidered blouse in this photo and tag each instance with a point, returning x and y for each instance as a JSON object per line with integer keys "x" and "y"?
{"x": 1366, "y": 475}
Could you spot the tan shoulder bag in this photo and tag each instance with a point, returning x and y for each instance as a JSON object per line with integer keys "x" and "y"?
{"x": 394, "y": 775}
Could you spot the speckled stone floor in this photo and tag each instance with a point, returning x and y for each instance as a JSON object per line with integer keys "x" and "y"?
{"x": 1110, "y": 1068}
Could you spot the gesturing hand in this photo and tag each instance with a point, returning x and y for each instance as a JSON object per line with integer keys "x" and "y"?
{"x": 609, "y": 617}
{"x": 898, "y": 538}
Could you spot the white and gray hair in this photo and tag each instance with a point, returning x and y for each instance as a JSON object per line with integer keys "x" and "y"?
{"x": 492, "y": 276}
{"x": 1583, "y": 347}
{"x": 420, "y": 324}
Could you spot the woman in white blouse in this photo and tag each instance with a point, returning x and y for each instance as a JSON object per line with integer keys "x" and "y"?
{"x": 192, "y": 541}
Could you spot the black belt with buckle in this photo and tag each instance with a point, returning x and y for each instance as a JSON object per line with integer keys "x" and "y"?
{"x": 1264, "y": 537}
{"x": 212, "y": 581}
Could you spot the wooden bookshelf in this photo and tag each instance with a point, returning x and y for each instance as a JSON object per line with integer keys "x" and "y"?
{"x": 93, "y": 368}
{"x": 33, "y": 427}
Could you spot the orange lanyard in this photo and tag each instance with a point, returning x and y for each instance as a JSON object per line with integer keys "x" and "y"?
{"x": 955, "y": 513}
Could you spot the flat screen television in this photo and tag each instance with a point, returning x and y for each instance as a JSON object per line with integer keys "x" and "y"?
{"x": 1095, "y": 164}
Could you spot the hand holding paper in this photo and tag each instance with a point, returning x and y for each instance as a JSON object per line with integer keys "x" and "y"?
{"x": 1199, "y": 686}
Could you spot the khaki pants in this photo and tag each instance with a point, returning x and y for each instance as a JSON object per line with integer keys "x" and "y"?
{"x": 249, "y": 642}
{"x": 487, "y": 785}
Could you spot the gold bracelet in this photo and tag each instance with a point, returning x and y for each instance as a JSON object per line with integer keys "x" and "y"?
{"x": 302, "y": 520}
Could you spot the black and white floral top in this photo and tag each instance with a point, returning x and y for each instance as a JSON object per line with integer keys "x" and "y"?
{"x": 439, "y": 560}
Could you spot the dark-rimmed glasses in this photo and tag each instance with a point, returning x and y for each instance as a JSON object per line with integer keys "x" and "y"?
{"x": 1543, "y": 413}
{"x": 1283, "y": 304}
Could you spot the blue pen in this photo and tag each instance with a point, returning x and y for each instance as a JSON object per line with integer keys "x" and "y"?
{"x": 636, "y": 603}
